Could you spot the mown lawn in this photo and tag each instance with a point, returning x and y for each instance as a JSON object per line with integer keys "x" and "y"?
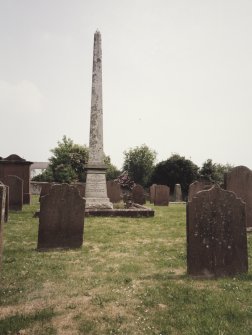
{"x": 128, "y": 278}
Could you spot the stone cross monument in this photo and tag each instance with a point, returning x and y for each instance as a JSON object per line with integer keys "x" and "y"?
{"x": 96, "y": 188}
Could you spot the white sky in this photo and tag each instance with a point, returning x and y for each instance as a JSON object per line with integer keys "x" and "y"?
{"x": 177, "y": 76}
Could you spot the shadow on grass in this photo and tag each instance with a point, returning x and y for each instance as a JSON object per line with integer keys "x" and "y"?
{"x": 13, "y": 324}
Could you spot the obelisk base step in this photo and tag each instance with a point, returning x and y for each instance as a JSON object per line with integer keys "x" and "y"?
{"x": 98, "y": 203}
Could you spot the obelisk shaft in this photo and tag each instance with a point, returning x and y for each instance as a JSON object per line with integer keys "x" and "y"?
{"x": 96, "y": 155}
{"x": 96, "y": 187}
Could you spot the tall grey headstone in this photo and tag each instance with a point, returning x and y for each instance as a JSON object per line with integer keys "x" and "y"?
{"x": 177, "y": 193}
{"x": 2, "y": 217}
{"x": 216, "y": 234}
{"x": 96, "y": 188}
{"x": 239, "y": 180}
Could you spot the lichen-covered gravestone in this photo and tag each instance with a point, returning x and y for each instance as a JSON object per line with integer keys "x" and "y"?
{"x": 197, "y": 186}
{"x": 239, "y": 180}
{"x": 162, "y": 195}
{"x": 138, "y": 195}
{"x": 216, "y": 234}
{"x": 114, "y": 191}
{"x": 2, "y": 217}
{"x": 15, "y": 185}
{"x": 61, "y": 218}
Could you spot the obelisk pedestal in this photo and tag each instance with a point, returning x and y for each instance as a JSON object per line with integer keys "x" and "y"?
{"x": 96, "y": 187}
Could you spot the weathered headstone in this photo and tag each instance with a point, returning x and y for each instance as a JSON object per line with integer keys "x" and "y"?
{"x": 152, "y": 193}
{"x": 197, "y": 186}
{"x": 114, "y": 191}
{"x": 96, "y": 188}
{"x": 162, "y": 195}
{"x": 16, "y": 166}
{"x": 177, "y": 193}
{"x": 15, "y": 185}
{"x": 2, "y": 217}
{"x": 61, "y": 218}
{"x": 138, "y": 196}
{"x": 216, "y": 234}
{"x": 239, "y": 180}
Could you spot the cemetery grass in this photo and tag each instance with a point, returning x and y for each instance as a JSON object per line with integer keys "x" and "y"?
{"x": 128, "y": 278}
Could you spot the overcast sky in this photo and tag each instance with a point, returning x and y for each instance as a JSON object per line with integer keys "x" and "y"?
{"x": 177, "y": 76}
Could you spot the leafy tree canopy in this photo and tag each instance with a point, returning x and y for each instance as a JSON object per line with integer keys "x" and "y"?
{"x": 68, "y": 164}
{"x": 139, "y": 163}
{"x": 175, "y": 170}
{"x": 214, "y": 172}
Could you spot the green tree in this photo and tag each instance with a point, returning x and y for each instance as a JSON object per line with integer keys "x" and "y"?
{"x": 67, "y": 163}
{"x": 214, "y": 172}
{"x": 175, "y": 170}
{"x": 112, "y": 171}
{"x": 46, "y": 175}
{"x": 139, "y": 162}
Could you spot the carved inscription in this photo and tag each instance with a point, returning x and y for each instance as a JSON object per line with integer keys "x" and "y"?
{"x": 96, "y": 186}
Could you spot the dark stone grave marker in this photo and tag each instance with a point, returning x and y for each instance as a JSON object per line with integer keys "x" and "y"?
{"x": 239, "y": 180}
{"x": 61, "y": 218}
{"x": 114, "y": 191}
{"x": 162, "y": 195}
{"x": 138, "y": 196}
{"x": 152, "y": 193}
{"x": 15, "y": 185}
{"x": 14, "y": 165}
{"x": 216, "y": 234}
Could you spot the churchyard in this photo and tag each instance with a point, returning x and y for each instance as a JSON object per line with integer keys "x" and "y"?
{"x": 129, "y": 277}
{"x": 68, "y": 267}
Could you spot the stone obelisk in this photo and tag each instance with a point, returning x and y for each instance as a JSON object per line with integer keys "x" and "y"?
{"x": 96, "y": 188}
